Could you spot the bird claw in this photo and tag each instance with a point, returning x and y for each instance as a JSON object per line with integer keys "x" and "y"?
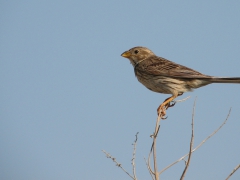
{"x": 162, "y": 112}
{"x": 162, "y": 109}
{"x": 170, "y": 104}
{"x": 164, "y": 118}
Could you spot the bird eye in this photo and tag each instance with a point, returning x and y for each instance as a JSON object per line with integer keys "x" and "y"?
{"x": 136, "y": 51}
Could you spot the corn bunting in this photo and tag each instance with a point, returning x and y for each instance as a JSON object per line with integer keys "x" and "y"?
{"x": 164, "y": 76}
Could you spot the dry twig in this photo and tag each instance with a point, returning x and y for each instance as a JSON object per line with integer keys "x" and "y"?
{"x": 234, "y": 170}
{"x": 153, "y": 149}
{"x": 151, "y": 173}
{"x": 191, "y": 144}
{"x": 181, "y": 100}
{"x": 198, "y": 145}
{"x": 117, "y": 164}
{"x": 134, "y": 155}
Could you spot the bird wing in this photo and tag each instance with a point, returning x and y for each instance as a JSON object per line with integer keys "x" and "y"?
{"x": 159, "y": 66}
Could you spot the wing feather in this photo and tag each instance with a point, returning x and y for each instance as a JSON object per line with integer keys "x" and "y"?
{"x": 159, "y": 66}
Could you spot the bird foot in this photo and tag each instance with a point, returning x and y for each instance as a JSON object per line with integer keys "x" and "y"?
{"x": 162, "y": 111}
{"x": 170, "y": 104}
{"x": 165, "y": 105}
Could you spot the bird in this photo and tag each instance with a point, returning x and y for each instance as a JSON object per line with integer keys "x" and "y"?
{"x": 164, "y": 76}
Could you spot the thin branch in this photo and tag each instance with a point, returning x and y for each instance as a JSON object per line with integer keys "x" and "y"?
{"x": 134, "y": 155}
{"x": 181, "y": 100}
{"x": 198, "y": 145}
{"x": 117, "y": 164}
{"x": 234, "y": 170}
{"x": 155, "y": 148}
{"x": 149, "y": 169}
{"x": 191, "y": 144}
{"x": 149, "y": 165}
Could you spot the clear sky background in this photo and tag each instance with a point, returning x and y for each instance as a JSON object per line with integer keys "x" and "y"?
{"x": 66, "y": 93}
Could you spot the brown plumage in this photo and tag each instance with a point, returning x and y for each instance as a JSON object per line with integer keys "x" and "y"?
{"x": 164, "y": 76}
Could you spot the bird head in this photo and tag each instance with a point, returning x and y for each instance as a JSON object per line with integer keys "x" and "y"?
{"x": 137, "y": 54}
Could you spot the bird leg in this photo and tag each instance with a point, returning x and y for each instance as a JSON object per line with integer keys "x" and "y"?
{"x": 165, "y": 105}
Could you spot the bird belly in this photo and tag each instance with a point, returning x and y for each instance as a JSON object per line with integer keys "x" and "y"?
{"x": 165, "y": 85}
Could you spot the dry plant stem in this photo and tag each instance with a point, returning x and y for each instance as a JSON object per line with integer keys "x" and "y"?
{"x": 155, "y": 148}
{"x": 181, "y": 100}
{"x": 191, "y": 144}
{"x": 198, "y": 145}
{"x": 149, "y": 169}
{"x": 134, "y": 155}
{"x": 148, "y": 164}
{"x": 117, "y": 164}
{"x": 234, "y": 170}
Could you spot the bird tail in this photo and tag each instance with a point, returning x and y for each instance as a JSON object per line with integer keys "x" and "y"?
{"x": 225, "y": 80}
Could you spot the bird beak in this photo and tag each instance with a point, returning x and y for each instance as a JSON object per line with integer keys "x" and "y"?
{"x": 126, "y": 54}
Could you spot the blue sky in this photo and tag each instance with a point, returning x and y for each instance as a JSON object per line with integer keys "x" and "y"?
{"x": 66, "y": 93}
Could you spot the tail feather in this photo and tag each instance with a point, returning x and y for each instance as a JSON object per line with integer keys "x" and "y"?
{"x": 225, "y": 80}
